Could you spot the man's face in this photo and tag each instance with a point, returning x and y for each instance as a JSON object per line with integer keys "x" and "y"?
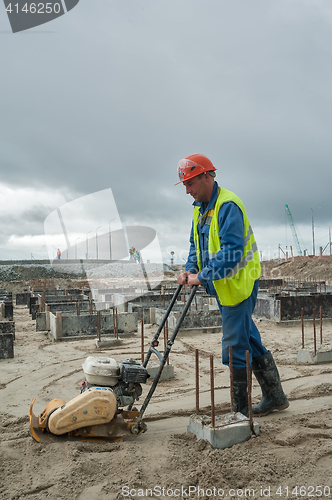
{"x": 198, "y": 188}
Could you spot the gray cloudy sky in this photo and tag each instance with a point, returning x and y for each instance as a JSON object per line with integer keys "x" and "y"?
{"x": 114, "y": 93}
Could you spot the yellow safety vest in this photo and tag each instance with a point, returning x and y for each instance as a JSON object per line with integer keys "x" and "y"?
{"x": 239, "y": 281}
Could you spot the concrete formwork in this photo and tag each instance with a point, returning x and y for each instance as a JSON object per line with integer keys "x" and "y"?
{"x": 6, "y": 345}
{"x": 284, "y": 308}
{"x": 65, "y": 325}
{"x": 22, "y": 298}
{"x": 6, "y": 305}
{"x": 7, "y": 327}
{"x": 194, "y": 319}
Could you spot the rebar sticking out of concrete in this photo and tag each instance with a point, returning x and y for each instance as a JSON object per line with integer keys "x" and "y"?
{"x": 302, "y": 323}
{"x": 321, "y": 324}
{"x": 249, "y": 392}
{"x": 98, "y": 325}
{"x": 197, "y": 380}
{"x": 78, "y": 310}
{"x": 142, "y": 340}
{"x": 116, "y": 323}
{"x": 314, "y": 322}
{"x": 213, "y": 420}
{"x": 231, "y": 376}
{"x": 114, "y": 328}
{"x": 166, "y": 338}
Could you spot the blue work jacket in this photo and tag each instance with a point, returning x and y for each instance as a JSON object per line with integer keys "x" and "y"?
{"x": 231, "y": 234}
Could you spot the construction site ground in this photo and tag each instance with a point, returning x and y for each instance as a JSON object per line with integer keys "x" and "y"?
{"x": 291, "y": 457}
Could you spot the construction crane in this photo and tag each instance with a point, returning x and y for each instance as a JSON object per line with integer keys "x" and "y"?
{"x": 291, "y": 223}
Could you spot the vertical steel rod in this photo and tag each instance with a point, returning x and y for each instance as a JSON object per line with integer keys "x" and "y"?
{"x": 197, "y": 381}
{"x": 114, "y": 329}
{"x": 321, "y": 324}
{"x": 212, "y": 392}
{"x": 98, "y": 325}
{"x": 249, "y": 391}
{"x": 302, "y": 322}
{"x": 314, "y": 321}
{"x": 142, "y": 340}
{"x": 231, "y": 376}
{"x": 166, "y": 324}
{"x": 116, "y": 323}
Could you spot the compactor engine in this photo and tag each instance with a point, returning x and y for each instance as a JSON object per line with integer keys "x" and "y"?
{"x": 124, "y": 378}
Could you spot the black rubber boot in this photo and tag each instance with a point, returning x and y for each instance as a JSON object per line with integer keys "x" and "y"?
{"x": 273, "y": 397}
{"x": 240, "y": 391}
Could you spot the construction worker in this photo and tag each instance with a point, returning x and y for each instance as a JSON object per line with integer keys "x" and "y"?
{"x": 224, "y": 259}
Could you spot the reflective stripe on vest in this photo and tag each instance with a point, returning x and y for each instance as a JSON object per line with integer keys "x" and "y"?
{"x": 239, "y": 281}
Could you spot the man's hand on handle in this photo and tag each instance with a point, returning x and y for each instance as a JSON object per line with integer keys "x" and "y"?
{"x": 188, "y": 279}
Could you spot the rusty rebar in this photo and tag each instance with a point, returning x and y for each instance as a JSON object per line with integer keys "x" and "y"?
{"x": 90, "y": 306}
{"x": 166, "y": 325}
{"x": 314, "y": 322}
{"x": 116, "y": 323}
{"x": 142, "y": 340}
{"x": 249, "y": 391}
{"x": 212, "y": 392}
{"x": 98, "y": 325}
{"x": 78, "y": 308}
{"x": 197, "y": 380}
{"x": 114, "y": 329}
{"x": 302, "y": 323}
{"x": 231, "y": 376}
{"x": 321, "y": 324}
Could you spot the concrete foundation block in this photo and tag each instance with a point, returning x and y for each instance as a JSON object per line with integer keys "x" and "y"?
{"x": 229, "y": 429}
{"x": 41, "y": 322}
{"x": 305, "y": 356}
{"x": 324, "y": 357}
{"x": 167, "y": 373}
{"x": 7, "y": 327}
{"x": 6, "y": 345}
{"x": 107, "y": 342}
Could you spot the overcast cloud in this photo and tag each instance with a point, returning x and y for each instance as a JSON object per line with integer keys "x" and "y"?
{"x": 114, "y": 93}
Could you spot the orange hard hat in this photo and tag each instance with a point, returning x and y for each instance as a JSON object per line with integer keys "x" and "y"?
{"x": 193, "y": 165}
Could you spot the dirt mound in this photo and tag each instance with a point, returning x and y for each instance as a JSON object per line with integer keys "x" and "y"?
{"x": 300, "y": 268}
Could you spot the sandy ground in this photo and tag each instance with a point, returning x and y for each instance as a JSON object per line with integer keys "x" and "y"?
{"x": 292, "y": 456}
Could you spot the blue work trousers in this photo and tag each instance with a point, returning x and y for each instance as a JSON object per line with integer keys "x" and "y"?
{"x": 240, "y": 332}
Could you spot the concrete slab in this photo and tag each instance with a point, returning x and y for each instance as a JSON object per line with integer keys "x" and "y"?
{"x": 107, "y": 342}
{"x": 167, "y": 373}
{"x": 229, "y": 429}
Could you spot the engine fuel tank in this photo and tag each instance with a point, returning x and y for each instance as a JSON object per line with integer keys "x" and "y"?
{"x": 101, "y": 371}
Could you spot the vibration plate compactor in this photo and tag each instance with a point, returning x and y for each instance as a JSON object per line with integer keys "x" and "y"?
{"x": 104, "y": 408}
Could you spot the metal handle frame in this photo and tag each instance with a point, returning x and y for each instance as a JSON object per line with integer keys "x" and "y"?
{"x": 154, "y": 343}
